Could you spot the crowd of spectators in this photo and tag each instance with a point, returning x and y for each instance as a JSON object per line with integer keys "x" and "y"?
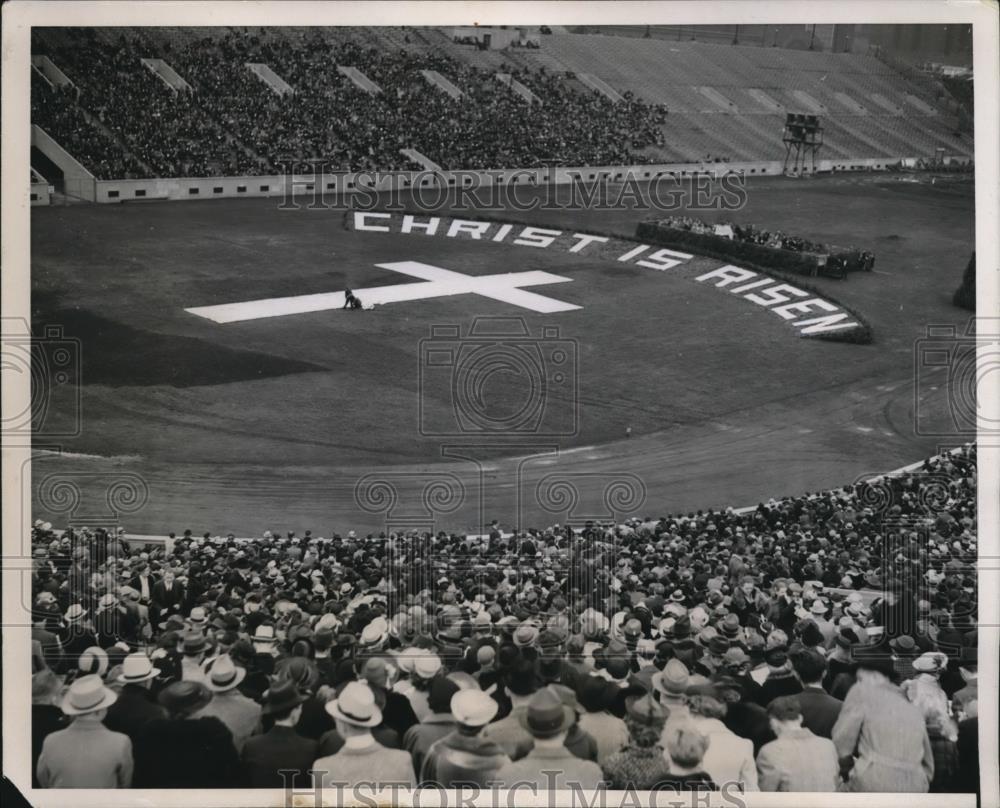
{"x": 54, "y": 109}
{"x": 166, "y": 130}
{"x": 819, "y": 642}
{"x": 232, "y": 122}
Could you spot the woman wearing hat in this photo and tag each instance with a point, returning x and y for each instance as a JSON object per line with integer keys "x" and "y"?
{"x": 924, "y": 692}
{"x": 641, "y": 764}
{"x": 182, "y": 750}
{"x": 361, "y": 759}
{"x": 729, "y": 758}
{"x": 304, "y": 674}
{"x": 86, "y": 754}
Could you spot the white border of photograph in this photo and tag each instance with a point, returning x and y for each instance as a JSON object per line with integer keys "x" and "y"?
{"x": 18, "y": 17}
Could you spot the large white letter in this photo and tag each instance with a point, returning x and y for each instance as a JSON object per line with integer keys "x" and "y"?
{"x": 832, "y": 322}
{"x": 792, "y": 310}
{"x": 664, "y": 259}
{"x": 410, "y": 224}
{"x": 537, "y": 237}
{"x": 776, "y": 294}
{"x": 475, "y": 229}
{"x": 584, "y": 240}
{"x": 727, "y": 275}
{"x": 359, "y": 221}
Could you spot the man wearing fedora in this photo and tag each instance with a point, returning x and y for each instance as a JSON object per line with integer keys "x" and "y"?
{"x": 240, "y": 714}
{"x": 194, "y": 646}
{"x": 136, "y": 705}
{"x": 464, "y": 755}
{"x": 550, "y": 765}
{"x": 182, "y": 751}
{"x": 361, "y": 759}
{"x": 281, "y": 748}
{"x": 86, "y": 754}
{"x": 670, "y": 686}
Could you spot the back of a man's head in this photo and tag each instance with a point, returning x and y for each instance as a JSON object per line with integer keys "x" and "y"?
{"x": 521, "y": 679}
{"x": 809, "y": 665}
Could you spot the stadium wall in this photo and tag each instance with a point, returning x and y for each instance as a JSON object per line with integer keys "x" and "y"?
{"x": 178, "y": 188}
{"x": 77, "y": 181}
{"x": 41, "y": 193}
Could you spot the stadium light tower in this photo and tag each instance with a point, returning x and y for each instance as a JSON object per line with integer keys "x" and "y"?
{"x": 803, "y": 137}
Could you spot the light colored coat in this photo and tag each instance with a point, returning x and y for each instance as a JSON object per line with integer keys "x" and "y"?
{"x": 608, "y": 730}
{"x": 729, "y": 758}
{"x": 798, "y": 761}
{"x": 887, "y": 738}
{"x": 564, "y": 771}
{"x": 85, "y": 755}
{"x": 240, "y": 714}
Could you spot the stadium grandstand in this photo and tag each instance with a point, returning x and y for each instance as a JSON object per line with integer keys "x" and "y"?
{"x": 160, "y": 102}
{"x": 250, "y": 383}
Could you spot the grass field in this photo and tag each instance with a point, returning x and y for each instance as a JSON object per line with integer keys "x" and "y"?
{"x": 271, "y": 422}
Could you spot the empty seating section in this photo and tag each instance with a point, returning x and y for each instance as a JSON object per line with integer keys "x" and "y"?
{"x": 681, "y": 101}
{"x": 670, "y": 73}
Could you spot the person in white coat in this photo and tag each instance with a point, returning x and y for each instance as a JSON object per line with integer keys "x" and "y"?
{"x": 729, "y": 758}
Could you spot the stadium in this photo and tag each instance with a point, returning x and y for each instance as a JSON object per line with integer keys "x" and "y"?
{"x": 342, "y": 393}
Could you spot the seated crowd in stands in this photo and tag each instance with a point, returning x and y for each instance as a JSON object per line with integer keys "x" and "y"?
{"x": 813, "y": 643}
{"x": 232, "y": 123}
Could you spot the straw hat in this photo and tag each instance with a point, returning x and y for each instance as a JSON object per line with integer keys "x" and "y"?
{"x": 137, "y": 668}
{"x": 87, "y": 695}
{"x": 356, "y": 706}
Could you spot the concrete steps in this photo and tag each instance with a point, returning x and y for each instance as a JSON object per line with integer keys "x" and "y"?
{"x": 360, "y": 79}
{"x": 435, "y": 79}
{"x": 165, "y": 73}
{"x": 270, "y": 78}
{"x": 601, "y": 86}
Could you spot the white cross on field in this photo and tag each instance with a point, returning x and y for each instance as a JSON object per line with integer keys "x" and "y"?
{"x": 507, "y": 287}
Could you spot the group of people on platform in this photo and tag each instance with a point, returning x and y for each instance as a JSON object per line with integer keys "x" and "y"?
{"x": 853, "y": 258}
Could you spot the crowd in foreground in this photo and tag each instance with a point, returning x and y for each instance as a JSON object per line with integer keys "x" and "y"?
{"x": 816, "y": 643}
{"x": 229, "y": 122}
